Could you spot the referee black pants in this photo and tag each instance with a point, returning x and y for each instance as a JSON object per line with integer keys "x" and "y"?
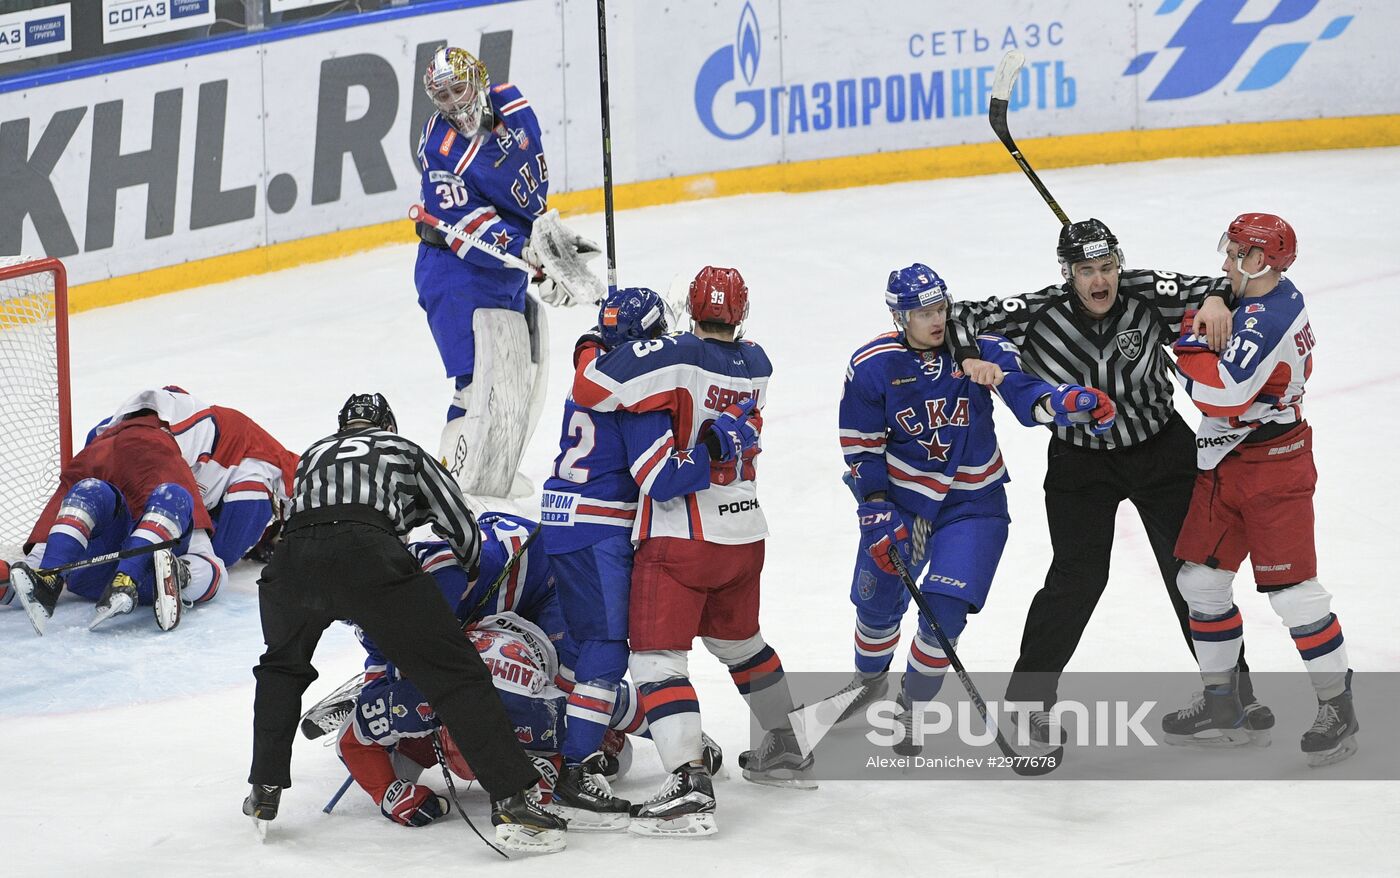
{"x": 1083, "y": 488}
{"x": 350, "y": 570}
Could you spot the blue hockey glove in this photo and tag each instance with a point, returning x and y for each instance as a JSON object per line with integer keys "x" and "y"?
{"x": 881, "y": 529}
{"x": 732, "y": 432}
{"x": 1089, "y": 407}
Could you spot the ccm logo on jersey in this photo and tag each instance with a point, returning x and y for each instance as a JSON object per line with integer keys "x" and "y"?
{"x": 738, "y": 506}
{"x": 720, "y": 398}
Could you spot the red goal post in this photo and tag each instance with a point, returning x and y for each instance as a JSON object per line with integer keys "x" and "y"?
{"x": 36, "y": 436}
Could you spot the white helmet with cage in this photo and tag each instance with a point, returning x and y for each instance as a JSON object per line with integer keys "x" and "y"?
{"x": 457, "y": 84}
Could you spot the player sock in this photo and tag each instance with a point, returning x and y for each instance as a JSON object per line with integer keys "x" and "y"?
{"x": 875, "y": 647}
{"x": 1324, "y": 654}
{"x": 673, "y": 714}
{"x": 928, "y": 664}
{"x": 1217, "y": 640}
{"x": 762, "y": 682}
{"x": 589, "y": 713}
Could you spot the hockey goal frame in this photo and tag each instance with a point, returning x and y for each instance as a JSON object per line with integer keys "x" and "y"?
{"x": 60, "y": 316}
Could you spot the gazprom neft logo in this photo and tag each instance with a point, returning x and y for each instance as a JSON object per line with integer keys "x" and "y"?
{"x": 1212, "y": 42}
{"x": 732, "y": 102}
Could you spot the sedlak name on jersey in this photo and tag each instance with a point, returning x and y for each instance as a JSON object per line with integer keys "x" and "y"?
{"x": 720, "y": 398}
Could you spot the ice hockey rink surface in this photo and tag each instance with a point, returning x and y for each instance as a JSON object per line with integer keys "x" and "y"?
{"x": 125, "y": 750}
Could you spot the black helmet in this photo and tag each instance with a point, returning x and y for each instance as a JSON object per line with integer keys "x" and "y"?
{"x": 371, "y": 408}
{"x": 1087, "y": 239}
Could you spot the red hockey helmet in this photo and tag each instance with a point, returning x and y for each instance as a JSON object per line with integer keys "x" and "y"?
{"x": 719, "y": 295}
{"x": 1269, "y": 233}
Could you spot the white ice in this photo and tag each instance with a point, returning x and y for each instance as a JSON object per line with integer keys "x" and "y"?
{"x": 125, "y": 751}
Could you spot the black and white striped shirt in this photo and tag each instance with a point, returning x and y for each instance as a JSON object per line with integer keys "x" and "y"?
{"x": 1123, "y": 354}
{"x": 391, "y": 475}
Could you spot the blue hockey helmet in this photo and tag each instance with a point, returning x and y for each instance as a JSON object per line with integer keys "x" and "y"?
{"x": 631, "y": 314}
{"x": 912, "y": 288}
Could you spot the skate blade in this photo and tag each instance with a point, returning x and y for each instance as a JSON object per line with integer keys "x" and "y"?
{"x": 24, "y": 590}
{"x": 685, "y": 826}
{"x": 1260, "y": 738}
{"x": 115, "y": 609}
{"x": 1224, "y": 738}
{"x": 1345, "y": 750}
{"x": 583, "y": 820}
{"x": 784, "y": 779}
{"x": 167, "y": 605}
{"x": 523, "y": 840}
{"x": 260, "y": 827}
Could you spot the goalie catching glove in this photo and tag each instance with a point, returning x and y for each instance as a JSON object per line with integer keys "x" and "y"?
{"x": 412, "y": 804}
{"x": 559, "y": 254}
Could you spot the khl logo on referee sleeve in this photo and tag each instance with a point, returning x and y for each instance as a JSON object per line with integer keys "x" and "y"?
{"x": 1212, "y": 42}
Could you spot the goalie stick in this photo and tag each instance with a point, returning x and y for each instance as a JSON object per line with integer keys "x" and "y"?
{"x": 1026, "y": 765}
{"x": 1007, "y": 71}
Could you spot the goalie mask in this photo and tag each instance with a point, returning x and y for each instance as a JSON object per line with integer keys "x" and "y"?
{"x": 719, "y": 295}
{"x": 368, "y": 408}
{"x": 631, "y": 314}
{"x": 457, "y": 84}
{"x": 912, "y": 288}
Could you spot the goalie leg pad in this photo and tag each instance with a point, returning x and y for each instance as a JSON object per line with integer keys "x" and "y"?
{"x": 482, "y": 449}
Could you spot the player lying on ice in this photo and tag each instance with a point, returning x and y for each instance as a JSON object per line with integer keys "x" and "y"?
{"x": 924, "y": 464}
{"x": 515, "y": 623}
{"x": 128, "y": 490}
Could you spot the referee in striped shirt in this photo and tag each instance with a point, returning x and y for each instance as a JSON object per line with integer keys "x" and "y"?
{"x": 1105, "y": 327}
{"x": 358, "y": 494}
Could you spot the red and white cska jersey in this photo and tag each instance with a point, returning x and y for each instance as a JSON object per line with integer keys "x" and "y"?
{"x": 232, "y": 458}
{"x": 694, "y": 380}
{"x": 1258, "y": 379}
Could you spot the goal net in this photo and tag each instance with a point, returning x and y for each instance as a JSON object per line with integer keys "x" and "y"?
{"x": 35, "y": 432}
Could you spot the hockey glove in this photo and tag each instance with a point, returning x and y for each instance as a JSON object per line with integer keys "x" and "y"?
{"x": 1073, "y": 405}
{"x": 731, "y": 432}
{"x": 412, "y": 804}
{"x": 881, "y": 529}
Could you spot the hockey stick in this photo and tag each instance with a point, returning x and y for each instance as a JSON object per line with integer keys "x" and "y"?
{"x": 110, "y": 556}
{"x": 1007, "y": 71}
{"x": 418, "y": 214}
{"x": 452, "y": 791}
{"x": 511, "y": 562}
{"x": 335, "y": 800}
{"x": 1022, "y": 764}
{"x": 607, "y": 145}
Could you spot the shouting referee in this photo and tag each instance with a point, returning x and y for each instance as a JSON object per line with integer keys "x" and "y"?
{"x": 1104, "y": 327}
{"x": 358, "y": 492}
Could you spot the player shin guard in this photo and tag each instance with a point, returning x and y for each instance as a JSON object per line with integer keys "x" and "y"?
{"x": 589, "y": 711}
{"x": 673, "y": 714}
{"x": 1217, "y": 640}
{"x": 1324, "y": 654}
{"x": 928, "y": 665}
{"x": 88, "y": 506}
{"x": 875, "y": 646}
{"x": 628, "y": 716}
{"x": 167, "y": 517}
{"x": 758, "y": 673}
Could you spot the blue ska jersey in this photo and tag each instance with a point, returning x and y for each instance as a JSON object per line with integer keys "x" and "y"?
{"x": 693, "y": 380}
{"x": 605, "y": 460}
{"x": 492, "y": 185}
{"x": 914, "y": 426}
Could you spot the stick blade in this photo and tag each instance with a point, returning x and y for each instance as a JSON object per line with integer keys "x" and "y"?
{"x": 1007, "y": 71}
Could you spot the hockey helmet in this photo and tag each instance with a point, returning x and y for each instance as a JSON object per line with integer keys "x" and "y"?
{"x": 1085, "y": 240}
{"x": 368, "y": 408}
{"x": 719, "y": 295}
{"x": 1270, "y": 233}
{"x": 457, "y": 84}
{"x": 631, "y": 314}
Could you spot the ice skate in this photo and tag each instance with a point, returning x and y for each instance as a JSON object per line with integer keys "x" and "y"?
{"x": 261, "y": 805}
{"x": 38, "y": 593}
{"x": 906, "y": 745}
{"x": 1039, "y": 728}
{"x": 1332, "y": 737}
{"x": 172, "y": 575}
{"x": 119, "y": 598}
{"x": 584, "y": 798}
{"x": 326, "y": 719}
{"x": 523, "y": 826}
{"x": 1259, "y": 722}
{"x": 854, "y": 697}
{"x": 1213, "y": 719}
{"x": 778, "y": 762}
{"x": 684, "y": 806}
{"x": 711, "y": 756}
